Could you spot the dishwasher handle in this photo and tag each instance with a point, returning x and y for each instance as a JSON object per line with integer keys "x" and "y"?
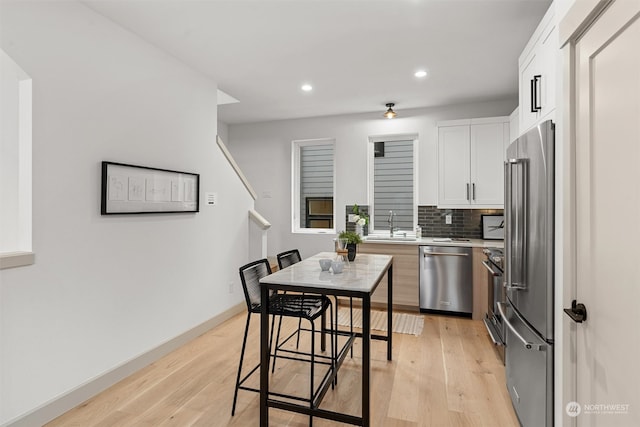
{"x": 444, "y": 254}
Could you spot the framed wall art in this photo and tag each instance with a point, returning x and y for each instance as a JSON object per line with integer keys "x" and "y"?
{"x": 130, "y": 189}
{"x": 493, "y": 227}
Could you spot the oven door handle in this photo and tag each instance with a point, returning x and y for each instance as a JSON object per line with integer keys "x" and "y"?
{"x": 491, "y": 270}
{"x": 528, "y": 345}
{"x": 492, "y": 333}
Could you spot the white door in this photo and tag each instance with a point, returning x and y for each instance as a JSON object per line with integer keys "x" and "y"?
{"x": 608, "y": 219}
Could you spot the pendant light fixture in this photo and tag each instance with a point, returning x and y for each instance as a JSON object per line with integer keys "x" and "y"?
{"x": 390, "y": 114}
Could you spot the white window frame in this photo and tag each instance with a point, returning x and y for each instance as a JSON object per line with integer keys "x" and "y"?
{"x": 21, "y": 254}
{"x": 380, "y": 230}
{"x": 295, "y": 185}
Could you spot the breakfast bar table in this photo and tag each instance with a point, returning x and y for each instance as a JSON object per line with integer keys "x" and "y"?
{"x": 359, "y": 279}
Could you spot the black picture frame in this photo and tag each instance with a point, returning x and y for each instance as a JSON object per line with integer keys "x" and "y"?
{"x": 492, "y": 227}
{"x": 132, "y": 189}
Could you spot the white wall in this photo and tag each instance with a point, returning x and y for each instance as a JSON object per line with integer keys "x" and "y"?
{"x": 263, "y": 151}
{"x": 561, "y": 8}
{"x": 10, "y": 77}
{"x": 223, "y": 131}
{"x": 106, "y": 289}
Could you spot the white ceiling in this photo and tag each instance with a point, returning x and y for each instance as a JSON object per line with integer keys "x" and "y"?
{"x": 357, "y": 54}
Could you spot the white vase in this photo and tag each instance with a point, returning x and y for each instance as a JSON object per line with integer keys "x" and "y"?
{"x": 359, "y": 230}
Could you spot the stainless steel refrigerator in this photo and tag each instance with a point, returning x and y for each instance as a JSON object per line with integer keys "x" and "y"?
{"x": 529, "y": 274}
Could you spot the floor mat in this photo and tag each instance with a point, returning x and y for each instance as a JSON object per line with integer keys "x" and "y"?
{"x": 403, "y": 323}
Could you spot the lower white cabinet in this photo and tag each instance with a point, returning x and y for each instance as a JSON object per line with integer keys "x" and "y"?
{"x": 470, "y": 162}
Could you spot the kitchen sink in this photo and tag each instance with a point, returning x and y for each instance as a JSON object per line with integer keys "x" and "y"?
{"x": 389, "y": 238}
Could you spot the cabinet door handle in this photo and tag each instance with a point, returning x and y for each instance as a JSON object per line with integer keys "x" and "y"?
{"x": 473, "y": 186}
{"x": 535, "y": 91}
{"x": 532, "y": 100}
{"x": 467, "y": 191}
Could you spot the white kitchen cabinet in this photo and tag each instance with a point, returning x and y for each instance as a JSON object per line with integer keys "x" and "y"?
{"x": 470, "y": 162}
{"x": 454, "y": 160}
{"x": 537, "y": 74}
{"x": 487, "y": 163}
{"x": 514, "y": 127}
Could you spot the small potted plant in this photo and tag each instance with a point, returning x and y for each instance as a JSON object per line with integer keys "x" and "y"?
{"x": 352, "y": 239}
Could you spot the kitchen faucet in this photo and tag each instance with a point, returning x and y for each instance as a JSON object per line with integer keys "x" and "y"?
{"x": 390, "y": 222}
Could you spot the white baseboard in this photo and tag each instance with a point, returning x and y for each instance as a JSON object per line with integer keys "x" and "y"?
{"x": 58, "y": 406}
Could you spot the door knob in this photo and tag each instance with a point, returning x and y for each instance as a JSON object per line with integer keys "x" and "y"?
{"x": 577, "y": 312}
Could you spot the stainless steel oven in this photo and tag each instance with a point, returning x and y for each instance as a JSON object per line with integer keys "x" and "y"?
{"x": 493, "y": 319}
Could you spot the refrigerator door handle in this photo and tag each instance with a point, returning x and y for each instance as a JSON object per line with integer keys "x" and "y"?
{"x": 508, "y": 176}
{"x": 520, "y": 229}
{"x": 528, "y": 345}
{"x": 524, "y": 224}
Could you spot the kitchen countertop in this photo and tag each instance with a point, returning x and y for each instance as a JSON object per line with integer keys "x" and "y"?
{"x": 439, "y": 241}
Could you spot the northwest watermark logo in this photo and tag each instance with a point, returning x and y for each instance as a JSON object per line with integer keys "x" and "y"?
{"x": 573, "y": 409}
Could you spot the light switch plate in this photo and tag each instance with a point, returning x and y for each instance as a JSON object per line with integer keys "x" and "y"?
{"x": 447, "y": 219}
{"x": 211, "y": 199}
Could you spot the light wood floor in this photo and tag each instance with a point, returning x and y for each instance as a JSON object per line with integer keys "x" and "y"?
{"x": 449, "y": 376}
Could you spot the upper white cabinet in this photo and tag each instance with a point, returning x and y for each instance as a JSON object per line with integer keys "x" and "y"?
{"x": 514, "y": 126}
{"x": 454, "y": 165}
{"x": 470, "y": 162}
{"x": 537, "y": 74}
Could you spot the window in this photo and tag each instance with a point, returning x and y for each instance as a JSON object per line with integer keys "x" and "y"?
{"x": 393, "y": 183}
{"x": 313, "y": 186}
{"x": 15, "y": 165}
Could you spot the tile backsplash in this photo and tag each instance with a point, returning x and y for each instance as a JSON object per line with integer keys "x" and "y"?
{"x": 464, "y": 222}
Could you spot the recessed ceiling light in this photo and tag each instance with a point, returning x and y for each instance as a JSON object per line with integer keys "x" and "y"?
{"x": 420, "y": 73}
{"x": 307, "y": 87}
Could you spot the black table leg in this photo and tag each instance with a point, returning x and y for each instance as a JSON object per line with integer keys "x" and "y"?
{"x": 264, "y": 355}
{"x": 366, "y": 360}
{"x": 323, "y": 329}
{"x": 389, "y": 311}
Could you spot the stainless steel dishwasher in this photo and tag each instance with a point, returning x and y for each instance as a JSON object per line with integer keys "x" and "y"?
{"x": 446, "y": 283}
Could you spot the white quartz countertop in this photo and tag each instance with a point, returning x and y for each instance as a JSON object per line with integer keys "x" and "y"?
{"x": 438, "y": 241}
